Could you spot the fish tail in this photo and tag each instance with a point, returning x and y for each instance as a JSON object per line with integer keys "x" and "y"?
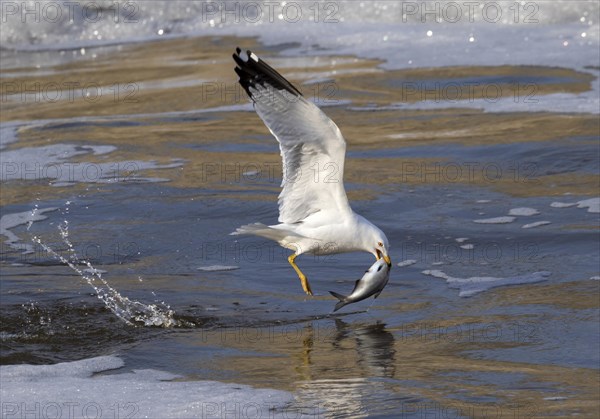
{"x": 340, "y": 297}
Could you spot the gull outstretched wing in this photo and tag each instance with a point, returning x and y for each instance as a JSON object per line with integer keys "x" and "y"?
{"x": 312, "y": 146}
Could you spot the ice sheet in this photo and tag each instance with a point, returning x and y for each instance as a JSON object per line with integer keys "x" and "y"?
{"x": 76, "y": 389}
{"x": 10, "y": 221}
{"x": 536, "y": 224}
{"x": 495, "y": 220}
{"x": 476, "y": 284}
{"x": 592, "y": 204}
{"x": 523, "y": 212}
{"x": 213, "y": 268}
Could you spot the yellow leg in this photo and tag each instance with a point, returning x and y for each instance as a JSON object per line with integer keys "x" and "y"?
{"x": 303, "y": 280}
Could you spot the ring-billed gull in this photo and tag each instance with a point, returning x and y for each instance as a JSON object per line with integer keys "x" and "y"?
{"x": 314, "y": 214}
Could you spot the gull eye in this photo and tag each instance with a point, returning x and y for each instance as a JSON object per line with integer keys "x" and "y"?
{"x": 379, "y": 244}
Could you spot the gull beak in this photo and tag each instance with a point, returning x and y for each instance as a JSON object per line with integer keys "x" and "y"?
{"x": 387, "y": 260}
{"x": 379, "y": 254}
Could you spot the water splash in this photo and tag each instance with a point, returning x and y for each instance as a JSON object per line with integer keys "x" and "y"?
{"x": 130, "y": 311}
{"x": 34, "y": 212}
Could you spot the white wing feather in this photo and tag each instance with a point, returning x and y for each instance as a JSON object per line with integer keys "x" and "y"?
{"x": 312, "y": 150}
{"x": 312, "y": 147}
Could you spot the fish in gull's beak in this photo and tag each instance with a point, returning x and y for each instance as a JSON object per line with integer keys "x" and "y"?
{"x": 379, "y": 254}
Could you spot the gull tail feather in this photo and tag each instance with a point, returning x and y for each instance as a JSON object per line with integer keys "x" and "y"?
{"x": 261, "y": 230}
{"x": 342, "y": 301}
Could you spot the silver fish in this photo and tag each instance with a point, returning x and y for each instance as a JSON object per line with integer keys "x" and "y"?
{"x": 372, "y": 283}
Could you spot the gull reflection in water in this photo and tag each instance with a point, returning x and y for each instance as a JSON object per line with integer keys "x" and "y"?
{"x": 346, "y": 368}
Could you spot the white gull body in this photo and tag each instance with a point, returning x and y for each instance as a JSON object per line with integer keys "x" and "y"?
{"x": 314, "y": 214}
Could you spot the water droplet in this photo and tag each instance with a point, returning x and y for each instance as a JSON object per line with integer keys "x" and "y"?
{"x": 429, "y": 33}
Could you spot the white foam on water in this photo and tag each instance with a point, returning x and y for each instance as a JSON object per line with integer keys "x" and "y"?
{"x": 72, "y": 389}
{"x": 592, "y": 204}
{"x": 523, "y": 212}
{"x": 461, "y": 239}
{"x": 496, "y": 220}
{"x": 213, "y": 268}
{"x": 9, "y": 221}
{"x": 563, "y": 204}
{"x": 536, "y": 224}
{"x": 483, "y": 201}
{"x": 467, "y": 246}
{"x": 407, "y": 262}
{"x": 477, "y": 284}
{"x": 595, "y": 278}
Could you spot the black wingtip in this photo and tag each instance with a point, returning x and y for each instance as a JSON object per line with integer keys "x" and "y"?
{"x": 254, "y": 71}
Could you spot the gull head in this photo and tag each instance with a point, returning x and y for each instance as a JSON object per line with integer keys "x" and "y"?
{"x": 381, "y": 252}
{"x": 380, "y": 246}
{"x": 371, "y": 239}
